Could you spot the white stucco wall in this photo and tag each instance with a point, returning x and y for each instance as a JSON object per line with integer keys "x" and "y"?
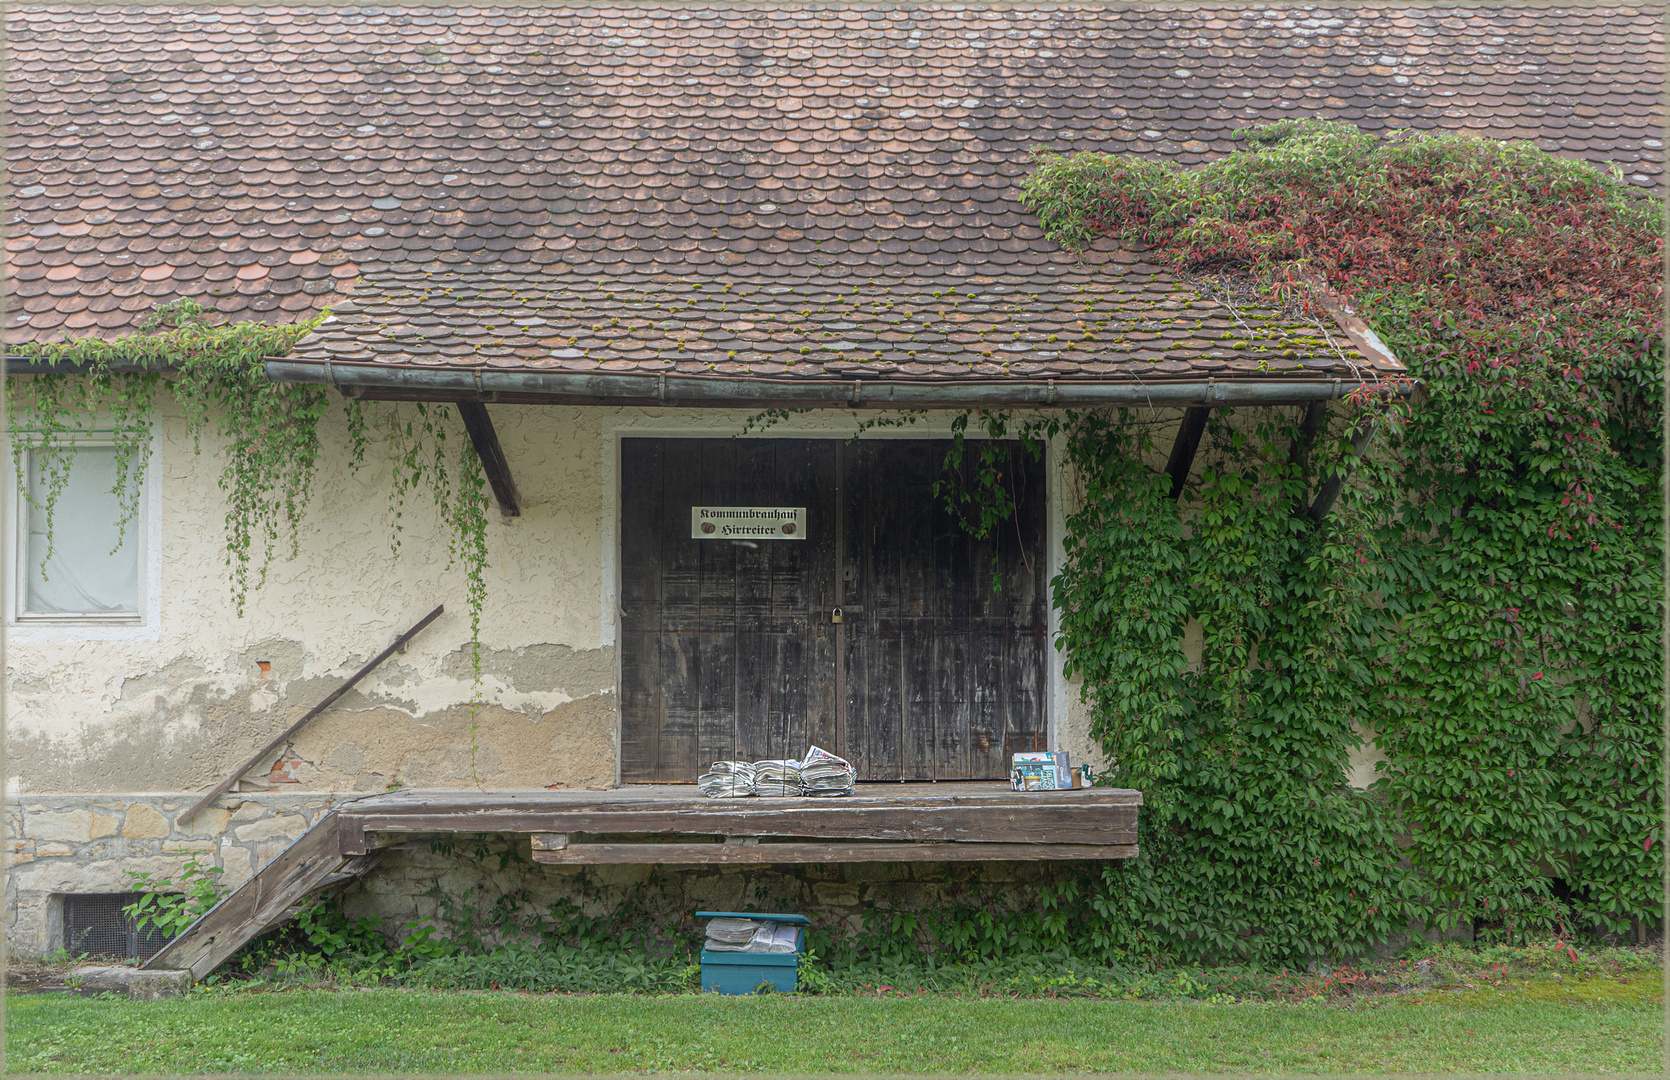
{"x": 176, "y": 708}
{"x": 176, "y": 712}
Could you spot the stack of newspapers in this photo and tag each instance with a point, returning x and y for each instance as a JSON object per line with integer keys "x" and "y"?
{"x": 820, "y": 773}
{"x": 777, "y": 778}
{"x": 727, "y": 780}
{"x": 729, "y": 934}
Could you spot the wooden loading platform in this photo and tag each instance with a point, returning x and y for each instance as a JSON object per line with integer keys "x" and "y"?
{"x": 672, "y": 824}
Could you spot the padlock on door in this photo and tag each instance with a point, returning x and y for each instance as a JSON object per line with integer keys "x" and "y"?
{"x": 834, "y": 615}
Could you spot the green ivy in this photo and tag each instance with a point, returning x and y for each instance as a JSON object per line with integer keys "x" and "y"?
{"x": 270, "y": 431}
{"x": 1485, "y": 599}
{"x": 1253, "y": 846}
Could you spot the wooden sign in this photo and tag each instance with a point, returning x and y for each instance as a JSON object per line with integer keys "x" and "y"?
{"x": 747, "y": 523}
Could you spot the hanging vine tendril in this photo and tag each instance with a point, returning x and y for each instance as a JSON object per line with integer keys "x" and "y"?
{"x": 270, "y": 439}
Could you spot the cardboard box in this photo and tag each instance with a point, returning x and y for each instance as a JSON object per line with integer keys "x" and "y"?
{"x": 1041, "y": 770}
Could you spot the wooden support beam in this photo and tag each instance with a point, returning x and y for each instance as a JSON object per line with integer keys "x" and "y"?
{"x": 703, "y": 854}
{"x": 330, "y": 699}
{"x": 1183, "y": 450}
{"x": 1042, "y": 822}
{"x": 487, "y": 448}
{"x": 272, "y": 895}
{"x": 1316, "y": 418}
{"x": 1335, "y": 483}
{"x": 1298, "y": 454}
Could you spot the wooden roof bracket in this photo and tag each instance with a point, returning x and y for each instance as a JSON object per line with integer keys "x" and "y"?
{"x": 487, "y": 448}
{"x": 1335, "y": 483}
{"x": 1316, "y": 418}
{"x": 1184, "y": 446}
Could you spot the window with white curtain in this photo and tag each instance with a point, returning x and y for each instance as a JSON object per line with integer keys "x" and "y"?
{"x": 94, "y": 570}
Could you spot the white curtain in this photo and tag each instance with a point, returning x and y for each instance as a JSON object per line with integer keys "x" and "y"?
{"x": 88, "y": 573}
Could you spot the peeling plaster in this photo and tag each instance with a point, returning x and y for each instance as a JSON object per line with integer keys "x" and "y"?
{"x": 180, "y": 712}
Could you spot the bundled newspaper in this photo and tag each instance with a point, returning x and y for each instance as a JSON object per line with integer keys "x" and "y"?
{"x": 727, "y": 780}
{"x": 822, "y": 773}
{"x": 777, "y": 778}
{"x": 750, "y": 936}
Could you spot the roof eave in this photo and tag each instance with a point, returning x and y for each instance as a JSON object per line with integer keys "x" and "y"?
{"x": 400, "y": 382}
{"x": 24, "y": 364}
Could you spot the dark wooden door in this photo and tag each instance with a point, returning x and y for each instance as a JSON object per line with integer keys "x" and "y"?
{"x": 729, "y": 650}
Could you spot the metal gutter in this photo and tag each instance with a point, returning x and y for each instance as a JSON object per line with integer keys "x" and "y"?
{"x": 25, "y": 365}
{"x": 388, "y": 382}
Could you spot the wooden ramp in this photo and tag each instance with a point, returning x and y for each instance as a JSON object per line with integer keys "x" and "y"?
{"x": 276, "y": 892}
{"x": 670, "y": 824}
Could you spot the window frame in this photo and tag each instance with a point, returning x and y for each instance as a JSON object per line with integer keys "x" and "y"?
{"x": 145, "y": 532}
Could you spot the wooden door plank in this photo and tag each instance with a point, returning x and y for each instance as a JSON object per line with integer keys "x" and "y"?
{"x": 678, "y": 742}
{"x": 717, "y": 703}
{"x": 921, "y": 585}
{"x": 642, "y": 705}
{"x": 787, "y": 564}
{"x": 876, "y": 690}
{"x": 916, "y": 676}
{"x": 950, "y": 577}
{"x": 799, "y": 569}
{"x": 840, "y": 578}
{"x": 988, "y": 708}
{"x": 1025, "y": 622}
{"x": 953, "y": 719}
{"x": 680, "y": 753}
{"x": 754, "y": 481}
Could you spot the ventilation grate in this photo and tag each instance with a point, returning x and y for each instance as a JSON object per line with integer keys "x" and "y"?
{"x": 94, "y": 925}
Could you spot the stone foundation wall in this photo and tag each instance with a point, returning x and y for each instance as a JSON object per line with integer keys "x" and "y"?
{"x": 415, "y": 882}
{"x": 58, "y": 844}
{"x": 68, "y": 844}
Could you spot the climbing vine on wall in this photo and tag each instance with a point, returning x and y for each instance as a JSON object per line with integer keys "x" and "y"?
{"x": 270, "y": 432}
{"x": 1485, "y": 600}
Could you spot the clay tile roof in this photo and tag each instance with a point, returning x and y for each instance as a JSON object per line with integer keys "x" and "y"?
{"x": 749, "y": 188}
{"x": 1063, "y": 318}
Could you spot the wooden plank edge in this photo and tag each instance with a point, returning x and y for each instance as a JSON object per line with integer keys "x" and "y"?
{"x": 703, "y": 854}
{"x": 1117, "y": 833}
{"x": 425, "y": 803}
{"x": 1089, "y": 825}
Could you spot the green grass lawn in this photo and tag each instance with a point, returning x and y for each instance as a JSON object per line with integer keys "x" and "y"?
{"x": 1575, "y": 1026}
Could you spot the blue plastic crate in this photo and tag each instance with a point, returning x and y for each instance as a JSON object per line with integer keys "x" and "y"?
{"x": 742, "y": 973}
